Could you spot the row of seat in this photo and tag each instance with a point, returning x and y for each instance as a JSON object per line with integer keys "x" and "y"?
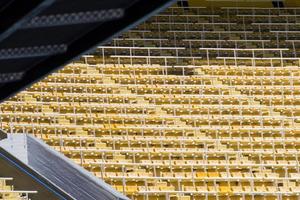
{"x": 159, "y": 99}
{"x": 166, "y": 30}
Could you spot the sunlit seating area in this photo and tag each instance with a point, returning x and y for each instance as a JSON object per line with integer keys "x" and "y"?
{"x": 193, "y": 104}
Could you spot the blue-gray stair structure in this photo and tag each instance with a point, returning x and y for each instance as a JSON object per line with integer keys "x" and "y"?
{"x": 36, "y": 166}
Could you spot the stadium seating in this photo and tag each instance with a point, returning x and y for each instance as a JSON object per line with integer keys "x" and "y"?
{"x": 7, "y": 192}
{"x": 192, "y": 104}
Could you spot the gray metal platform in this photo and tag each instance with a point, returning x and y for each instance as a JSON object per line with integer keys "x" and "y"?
{"x": 38, "y": 167}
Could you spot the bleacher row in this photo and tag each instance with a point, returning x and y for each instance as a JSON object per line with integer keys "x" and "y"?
{"x": 193, "y": 104}
{"x": 265, "y": 36}
{"x": 7, "y": 191}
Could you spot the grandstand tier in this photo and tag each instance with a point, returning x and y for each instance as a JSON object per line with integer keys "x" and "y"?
{"x": 198, "y": 103}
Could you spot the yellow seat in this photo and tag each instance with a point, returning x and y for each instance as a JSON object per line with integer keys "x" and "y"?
{"x": 213, "y": 174}
{"x": 131, "y": 189}
{"x": 225, "y": 189}
{"x": 201, "y": 174}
